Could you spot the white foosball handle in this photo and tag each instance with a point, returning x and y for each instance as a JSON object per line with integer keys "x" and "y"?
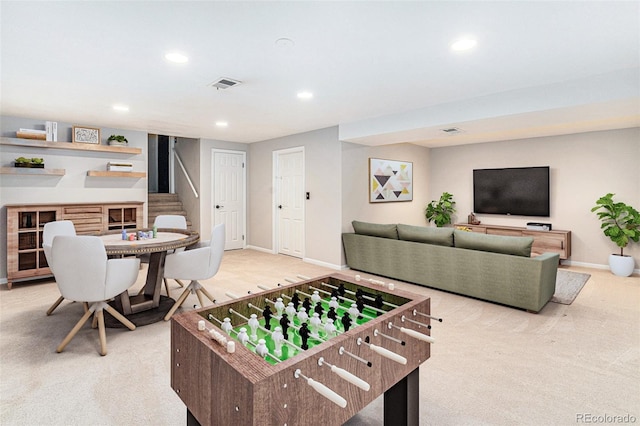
{"x": 418, "y": 335}
{"x": 232, "y": 295}
{"x": 327, "y": 393}
{"x": 388, "y": 354}
{"x": 355, "y": 380}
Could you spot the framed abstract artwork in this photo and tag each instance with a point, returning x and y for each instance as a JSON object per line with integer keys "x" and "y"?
{"x": 390, "y": 180}
{"x": 83, "y": 134}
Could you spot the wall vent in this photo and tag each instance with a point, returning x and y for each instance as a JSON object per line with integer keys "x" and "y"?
{"x": 224, "y": 83}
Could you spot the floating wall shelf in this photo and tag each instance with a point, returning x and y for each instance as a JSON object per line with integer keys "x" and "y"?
{"x": 100, "y": 173}
{"x": 68, "y": 145}
{"x": 31, "y": 171}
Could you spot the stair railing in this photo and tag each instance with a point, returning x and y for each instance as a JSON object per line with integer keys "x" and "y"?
{"x": 186, "y": 175}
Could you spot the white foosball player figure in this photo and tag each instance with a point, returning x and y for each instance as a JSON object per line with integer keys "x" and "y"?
{"x": 261, "y": 348}
{"x": 278, "y": 339}
{"x": 243, "y": 337}
{"x": 253, "y": 325}
{"x": 314, "y": 324}
{"x": 315, "y": 297}
{"x": 333, "y": 303}
{"x": 279, "y": 305}
{"x": 302, "y": 315}
{"x": 354, "y": 313}
{"x": 290, "y": 310}
{"x": 329, "y": 328}
{"x": 226, "y": 325}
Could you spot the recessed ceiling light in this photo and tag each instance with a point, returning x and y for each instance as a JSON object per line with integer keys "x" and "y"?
{"x": 222, "y": 123}
{"x": 285, "y": 43}
{"x": 305, "y": 95}
{"x": 121, "y": 108}
{"x": 464, "y": 43}
{"x": 176, "y": 57}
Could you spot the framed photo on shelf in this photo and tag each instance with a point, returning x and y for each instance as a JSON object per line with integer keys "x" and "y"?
{"x": 83, "y": 134}
{"x": 390, "y": 180}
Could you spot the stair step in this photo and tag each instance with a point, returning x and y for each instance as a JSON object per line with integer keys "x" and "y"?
{"x": 163, "y": 204}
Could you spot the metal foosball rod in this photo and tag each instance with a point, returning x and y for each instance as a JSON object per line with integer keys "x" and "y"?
{"x": 377, "y": 333}
{"x": 373, "y": 308}
{"x": 351, "y": 378}
{"x": 322, "y": 389}
{"x": 403, "y": 319}
{"x": 415, "y": 312}
{"x": 384, "y": 352}
{"x": 284, "y": 296}
{"x": 248, "y": 341}
{"x": 391, "y": 305}
{"x": 343, "y": 351}
{"x": 293, "y": 345}
{"x": 413, "y": 333}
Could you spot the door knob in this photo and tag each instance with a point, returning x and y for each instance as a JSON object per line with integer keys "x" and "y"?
{"x": 218, "y": 206}
{"x": 280, "y": 206}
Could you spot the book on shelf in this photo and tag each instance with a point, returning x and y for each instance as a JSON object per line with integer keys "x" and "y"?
{"x": 22, "y": 134}
{"x": 119, "y": 167}
{"x": 51, "y": 127}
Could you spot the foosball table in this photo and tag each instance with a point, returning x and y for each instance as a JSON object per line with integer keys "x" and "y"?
{"x": 311, "y": 352}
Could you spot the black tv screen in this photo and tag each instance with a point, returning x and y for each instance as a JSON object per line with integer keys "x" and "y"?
{"x": 522, "y": 191}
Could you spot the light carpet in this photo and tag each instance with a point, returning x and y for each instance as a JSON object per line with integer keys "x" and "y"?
{"x": 568, "y": 285}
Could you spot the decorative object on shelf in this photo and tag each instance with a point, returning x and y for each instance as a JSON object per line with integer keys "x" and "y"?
{"x": 51, "y": 127}
{"x": 32, "y": 134}
{"x": 390, "y": 180}
{"x": 439, "y": 212}
{"x": 120, "y": 167}
{"x": 117, "y": 140}
{"x": 36, "y": 163}
{"x": 621, "y": 223}
{"x": 464, "y": 228}
{"x": 83, "y": 134}
{"x": 471, "y": 219}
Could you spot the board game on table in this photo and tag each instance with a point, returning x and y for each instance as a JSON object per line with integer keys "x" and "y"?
{"x": 228, "y": 370}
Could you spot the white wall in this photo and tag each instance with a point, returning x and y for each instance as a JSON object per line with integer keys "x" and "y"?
{"x": 75, "y": 186}
{"x": 584, "y": 167}
{"x": 323, "y": 177}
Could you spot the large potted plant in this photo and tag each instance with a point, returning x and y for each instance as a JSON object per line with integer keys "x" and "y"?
{"x": 621, "y": 223}
{"x": 439, "y": 212}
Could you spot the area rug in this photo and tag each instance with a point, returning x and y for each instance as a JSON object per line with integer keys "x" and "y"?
{"x": 568, "y": 285}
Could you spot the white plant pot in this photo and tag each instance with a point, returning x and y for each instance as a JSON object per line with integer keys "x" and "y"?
{"x": 621, "y": 266}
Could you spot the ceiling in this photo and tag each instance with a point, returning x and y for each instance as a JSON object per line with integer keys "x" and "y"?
{"x": 382, "y": 71}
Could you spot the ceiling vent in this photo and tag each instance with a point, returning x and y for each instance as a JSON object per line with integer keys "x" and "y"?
{"x": 225, "y": 83}
{"x": 452, "y": 131}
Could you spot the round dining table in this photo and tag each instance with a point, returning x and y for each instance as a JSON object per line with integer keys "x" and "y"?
{"x": 157, "y": 248}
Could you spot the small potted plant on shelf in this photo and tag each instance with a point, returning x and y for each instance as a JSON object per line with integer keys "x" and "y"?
{"x": 117, "y": 140}
{"x": 439, "y": 212}
{"x": 36, "y": 163}
{"x": 621, "y": 223}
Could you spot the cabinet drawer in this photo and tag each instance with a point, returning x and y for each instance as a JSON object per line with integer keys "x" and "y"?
{"x": 507, "y": 232}
{"x": 80, "y": 210}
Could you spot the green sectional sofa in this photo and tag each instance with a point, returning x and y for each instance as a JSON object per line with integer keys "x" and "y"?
{"x": 490, "y": 267}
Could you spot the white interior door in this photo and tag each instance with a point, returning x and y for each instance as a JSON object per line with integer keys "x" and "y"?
{"x": 229, "y": 201}
{"x": 289, "y": 205}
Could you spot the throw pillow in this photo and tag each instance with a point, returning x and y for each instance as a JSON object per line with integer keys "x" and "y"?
{"x": 517, "y": 246}
{"x": 376, "y": 229}
{"x": 426, "y": 234}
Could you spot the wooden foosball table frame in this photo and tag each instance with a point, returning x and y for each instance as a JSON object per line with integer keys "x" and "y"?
{"x": 241, "y": 388}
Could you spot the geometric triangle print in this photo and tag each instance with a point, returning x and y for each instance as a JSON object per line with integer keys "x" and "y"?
{"x": 382, "y": 179}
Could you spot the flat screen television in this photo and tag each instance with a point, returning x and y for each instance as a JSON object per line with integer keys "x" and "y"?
{"x": 522, "y": 191}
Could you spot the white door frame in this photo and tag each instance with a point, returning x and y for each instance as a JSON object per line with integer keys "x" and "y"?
{"x": 274, "y": 201}
{"x": 244, "y": 190}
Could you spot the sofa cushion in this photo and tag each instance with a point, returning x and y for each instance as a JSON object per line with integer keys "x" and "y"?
{"x": 376, "y": 229}
{"x": 426, "y": 234}
{"x": 517, "y": 246}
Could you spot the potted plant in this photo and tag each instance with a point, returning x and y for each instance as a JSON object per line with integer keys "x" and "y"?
{"x": 439, "y": 212}
{"x": 621, "y": 223}
{"x": 117, "y": 140}
{"x": 37, "y": 163}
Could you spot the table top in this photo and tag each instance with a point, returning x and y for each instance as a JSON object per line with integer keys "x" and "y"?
{"x": 169, "y": 239}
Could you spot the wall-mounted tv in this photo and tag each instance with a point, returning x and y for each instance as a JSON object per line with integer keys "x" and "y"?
{"x": 522, "y": 191}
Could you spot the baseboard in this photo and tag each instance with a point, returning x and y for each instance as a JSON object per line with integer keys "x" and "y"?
{"x": 592, "y": 265}
{"x": 3, "y": 281}
{"x": 321, "y": 263}
{"x": 262, "y": 249}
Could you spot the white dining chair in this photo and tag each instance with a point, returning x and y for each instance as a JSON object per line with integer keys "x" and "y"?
{"x": 85, "y": 274}
{"x": 197, "y": 264}
{"x": 49, "y": 232}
